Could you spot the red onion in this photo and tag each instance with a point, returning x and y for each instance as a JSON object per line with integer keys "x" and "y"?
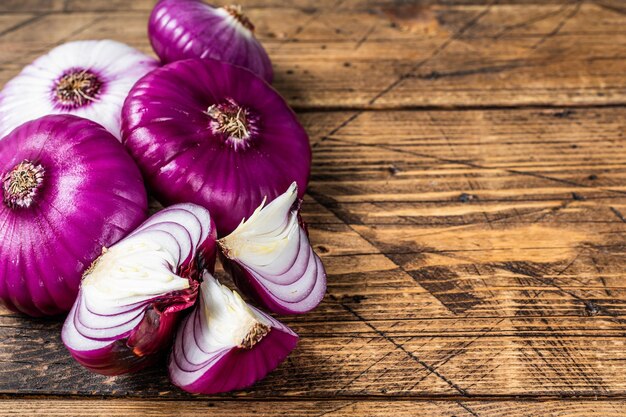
{"x": 216, "y": 135}
{"x": 68, "y": 189}
{"x": 271, "y": 259}
{"x": 86, "y": 78}
{"x": 182, "y": 29}
{"x": 226, "y": 344}
{"x": 132, "y": 296}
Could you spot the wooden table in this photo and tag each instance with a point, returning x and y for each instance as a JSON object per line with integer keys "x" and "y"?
{"x": 468, "y": 197}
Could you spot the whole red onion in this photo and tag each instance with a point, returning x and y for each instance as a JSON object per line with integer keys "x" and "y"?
{"x": 182, "y": 29}
{"x": 89, "y": 79}
{"x": 68, "y": 189}
{"x": 214, "y": 134}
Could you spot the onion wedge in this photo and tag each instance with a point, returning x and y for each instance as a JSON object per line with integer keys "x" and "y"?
{"x": 271, "y": 258}
{"x": 226, "y": 344}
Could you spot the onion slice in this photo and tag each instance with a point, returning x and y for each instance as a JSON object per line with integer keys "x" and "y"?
{"x": 226, "y": 344}
{"x": 272, "y": 260}
{"x": 131, "y": 297}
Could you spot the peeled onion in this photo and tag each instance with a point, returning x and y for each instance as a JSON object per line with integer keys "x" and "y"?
{"x": 226, "y": 344}
{"x": 131, "y": 298}
{"x": 271, "y": 259}
{"x": 89, "y": 79}
{"x": 68, "y": 189}
{"x": 182, "y": 29}
{"x": 216, "y": 135}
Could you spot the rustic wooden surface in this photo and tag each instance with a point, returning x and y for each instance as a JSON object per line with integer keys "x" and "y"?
{"x": 468, "y": 198}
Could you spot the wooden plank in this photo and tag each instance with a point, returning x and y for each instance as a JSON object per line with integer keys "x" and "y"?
{"x": 525, "y": 357}
{"x": 388, "y": 55}
{"x": 330, "y": 408}
{"x": 31, "y": 6}
{"x": 146, "y": 5}
{"x": 473, "y": 256}
{"x": 478, "y": 253}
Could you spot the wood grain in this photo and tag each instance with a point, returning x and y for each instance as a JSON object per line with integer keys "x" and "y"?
{"x": 383, "y": 54}
{"x": 328, "y": 408}
{"x": 467, "y": 196}
{"x": 486, "y": 262}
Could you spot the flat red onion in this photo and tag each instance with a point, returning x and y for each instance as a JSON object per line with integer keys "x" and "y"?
{"x": 68, "y": 189}
{"x": 89, "y": 79}
{"x": 271, "y": 259}
{"x": 182, "y": 29}
{"x": 226, "y": 344}
{"x": 131, "y": 298}
{"x": 213, "y": 134}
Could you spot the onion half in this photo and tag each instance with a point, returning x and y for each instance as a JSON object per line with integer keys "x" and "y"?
{"x": 52, "y": 170}
{"x": 271, "y": 259}
{"x": 132, "y": 296}
{"x": 213, "y": 134}
{"x": 226, "y": 344}
{"x": 183, "y": 29}
{"x": 89, "y": 79}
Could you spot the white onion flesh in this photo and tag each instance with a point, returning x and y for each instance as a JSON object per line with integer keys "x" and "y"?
{"x": 274, "y": 251}
{"x": 210, "y": 340}
{"x": 134, "y": 273}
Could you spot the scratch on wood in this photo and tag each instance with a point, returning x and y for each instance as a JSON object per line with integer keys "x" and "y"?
{"x": 82, "y": 29}
{"x": 456, "y": 352}
{"x": 411, "y": 355}
{"x": 365, "y": 37}
{"x": 559, "y": 26}
{"x": 478, "y": 166}
{"x": 618, "y": 214}
{"x": 434, "y": 54}
{"x": 531, "y": 21}
{"x": 610, "y": 7}
{"x": 360, "y": 374}
{"x": 468, "y": 409}
{"x": 436, "y": 75}
{"x": 23, "y": 24}
{"x": 325, "y": 413}
{"x": 339, "y": 127}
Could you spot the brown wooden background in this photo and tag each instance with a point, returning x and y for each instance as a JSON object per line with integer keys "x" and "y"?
{"x": 468, "y": 198}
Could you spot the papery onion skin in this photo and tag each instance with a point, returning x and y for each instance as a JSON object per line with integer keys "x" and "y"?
{"x": 90, "y": 196}
{"x": 147, "y": 326}
{"x": 168, "y": 129}
{"x": 183, "y": 29}
{"x": 228, "y": 368}
{"x": 109, "y": 69}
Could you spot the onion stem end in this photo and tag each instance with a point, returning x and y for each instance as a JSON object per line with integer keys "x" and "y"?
{"x": 20, "y": 185}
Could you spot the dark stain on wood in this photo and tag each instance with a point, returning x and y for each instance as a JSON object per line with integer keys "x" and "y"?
{"x": 446, "y": 286}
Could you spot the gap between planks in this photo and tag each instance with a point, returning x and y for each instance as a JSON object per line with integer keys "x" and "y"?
{"x": 391, "y": 398}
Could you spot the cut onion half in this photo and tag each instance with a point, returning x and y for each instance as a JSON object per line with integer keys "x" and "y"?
{"x": 130, "y": 299}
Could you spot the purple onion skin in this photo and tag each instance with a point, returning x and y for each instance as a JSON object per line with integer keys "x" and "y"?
{"x": 183, "y": 29}
{"x": 167, "y": 130}
{"x": 251, "y": 287}
{"x": 91, "y": 195}
{"x": 238, "y": 368}
{"x": 272, "y": 350}
{"x": 145, "y": 345}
